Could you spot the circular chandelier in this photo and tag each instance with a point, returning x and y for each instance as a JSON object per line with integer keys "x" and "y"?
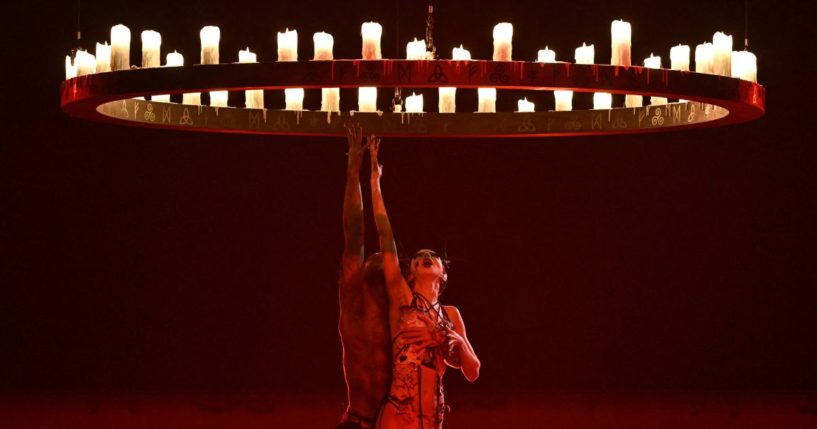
{"x": 722, "y": 89}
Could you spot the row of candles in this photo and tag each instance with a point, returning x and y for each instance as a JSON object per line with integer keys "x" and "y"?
{"x": 713, "y": 58}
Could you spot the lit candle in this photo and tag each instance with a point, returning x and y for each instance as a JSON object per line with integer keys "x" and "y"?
{"x": 175, "y": 59}
{"x": 85, "y": 63}
{"x": 602, "y": 100}
{"x": 448, "y": 99}
{"x": 654, "y": 62}
{"x": 120, "y": 47}
{"x": 744, "y": 65}
{"x": 367, "y": 99}
{"x": 414, "y": 103}
{"x": 564, "y": 100}
{"x": 253, "y": 98}
{"x": 679, "y": 57}
{"x": 460, "y": 54}
{"x": 70, "y": 68}
{"x": 722, "y": 62}
{"x": 192, "y": 98}
{"x": 487, "y": 100}
{"x": 416, "y": 50}
{"x": 704, "y": 58}
{"x": 371, "y": 33}
{"x": 525, "y": 106}
{"x": 622, "y": 35}
{"x": 324, "y": 43}
{"x": 633, "y": 100}
{"x": 585, "y": 54}
{"x": 151, "y": 47}
{"x": 503, "y": 34}
{"x": 294, "y": 98}
{"x": 103, "y": 57}
{"x": 219, "y": 98}
{"x": 330, "y": 99}
{"x": 210, "y": 37}
{"x": 288, "y": 45}
{"x": 546, "y": 56}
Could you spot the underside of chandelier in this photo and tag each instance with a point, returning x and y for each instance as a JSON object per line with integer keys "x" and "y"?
{"x": 706, "y": 100}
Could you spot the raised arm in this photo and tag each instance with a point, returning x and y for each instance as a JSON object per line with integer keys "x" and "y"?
{"x": 398, "y": 291}
{"x": 353, "y": 205}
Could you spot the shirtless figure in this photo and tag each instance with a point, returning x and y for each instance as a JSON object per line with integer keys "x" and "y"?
{"x": 364, "y": 323}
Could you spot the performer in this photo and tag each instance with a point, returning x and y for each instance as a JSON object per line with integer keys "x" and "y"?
{"x": 364, "y": 323}
{"x": 419, "y": 360}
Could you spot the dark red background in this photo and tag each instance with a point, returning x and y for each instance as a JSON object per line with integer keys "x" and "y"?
{"x": 141, "y": 260}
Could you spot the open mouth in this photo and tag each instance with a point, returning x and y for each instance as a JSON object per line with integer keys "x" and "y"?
{"x": 427, "y": 263}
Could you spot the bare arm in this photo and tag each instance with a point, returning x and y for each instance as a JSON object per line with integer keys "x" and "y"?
{"x": 462, "y": 354}
{"x": 353, "y": 205}
{"x": 398, "y": 291}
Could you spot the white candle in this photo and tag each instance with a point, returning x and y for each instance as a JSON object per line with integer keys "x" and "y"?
{"x": 210, "y": 37}
{"x": 744, "y": 65}
{"x": 371, "y": 33}
{"x": 85, "y": 63}
{"x": 679, "y": 57}
{"x": 103, "y": 57}
{"x": 288, "y": 45}
{"x": 70, "y": 68}
{"x": 120, "y": 47}
{"x": 621, "y": 36}
{"x": 602, "y": 100}
{"x": 324, "y": 43}
{"x": 503, "y": 34}
{"x": 448, "y": 99}
{"x": 294, "y": 98}
{"x": 460, "y": 54}
{"x": 633, "y": 100}
{"x": 193, "y": 98}
{"x": 175, "y": 59}
{"x": 367, "y": 99}
{"x": 416, "y": 50}
{"x": 414, "y": 103}
{"x": 487, "y": 100}
{"x": 585, "y": 54}
{"x": 219, "y": 98}
{"x": 253, "y": 98}
{"x": 525, "y": 106}
{"x": 654, "y": 62}
{"x": 546, "y": 56}
{"x": 722, "y": 63}
{"x": 564, "y": 100}
{"x": 151, "y": 48}
{"x": 704, "y": 58}
{"x": 330, "y": 99}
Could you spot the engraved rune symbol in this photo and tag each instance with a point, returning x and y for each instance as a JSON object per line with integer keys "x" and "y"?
{"x": 149, "y": 115}
{"x": 473, "y": 69}
{"x": 619, "y": 122}
{"x": 658, "y": 119}
{"x": 370, "y": 74}
{"x": 573, "y": 124}
{"x": 526, "y": 126}
{"x": 186, "y": 119}
{"x": 499, "y": 74}
{"x": 124, "y": 112}
{"x": 404, "y": 73}
{"x": 437, "y": 75}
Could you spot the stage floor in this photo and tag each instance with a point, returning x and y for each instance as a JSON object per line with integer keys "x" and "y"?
{"x": 499, "y": 410}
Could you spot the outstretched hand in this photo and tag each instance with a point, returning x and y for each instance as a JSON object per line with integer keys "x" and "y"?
{"x": 373, "y": 143}
{"x": 354, "y": 135}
